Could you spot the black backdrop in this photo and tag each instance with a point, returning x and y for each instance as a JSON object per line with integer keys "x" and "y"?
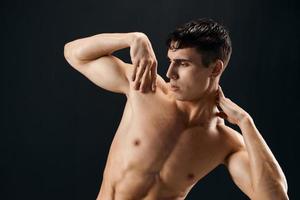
{"x": 57, "y": 127}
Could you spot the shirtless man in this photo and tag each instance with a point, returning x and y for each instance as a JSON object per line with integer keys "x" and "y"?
{"x": 173, "y": 133}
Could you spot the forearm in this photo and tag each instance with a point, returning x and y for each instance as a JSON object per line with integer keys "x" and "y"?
{"x": 96, "y": 46}
{"x": 266, "y": 173}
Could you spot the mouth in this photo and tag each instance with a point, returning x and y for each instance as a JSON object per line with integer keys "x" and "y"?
{"x": 174, "y": 87}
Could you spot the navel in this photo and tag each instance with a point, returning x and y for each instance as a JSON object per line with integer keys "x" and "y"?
{"x": 136, "y": 142}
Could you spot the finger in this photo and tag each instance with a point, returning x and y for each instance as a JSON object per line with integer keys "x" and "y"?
{"x": 224, "y": 104}
{"x": 135, "y": 65}
{"x": 221, "y": 92}
{"x": 141, "y": 70}
{"x": 139, "y": 74}
{"x": 153, "y": 76}
{"x": 145, "y": 80}
{"x": 218, "y": 106}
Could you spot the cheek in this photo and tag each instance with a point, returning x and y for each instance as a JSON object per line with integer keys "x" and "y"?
{"x": 190, "y": 75}
{"x": 199, "y": 79}
{"x": 198, "y": 84}
{"x": 194, "y": 79}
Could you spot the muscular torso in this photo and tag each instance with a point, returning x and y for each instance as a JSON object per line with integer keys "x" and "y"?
{"x": 156, "y": 154}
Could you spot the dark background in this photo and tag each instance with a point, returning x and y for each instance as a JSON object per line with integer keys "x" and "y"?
{"x": 57, "y": 127}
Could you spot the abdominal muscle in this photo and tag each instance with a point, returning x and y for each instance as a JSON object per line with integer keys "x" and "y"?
{"x": 151, "y": 156}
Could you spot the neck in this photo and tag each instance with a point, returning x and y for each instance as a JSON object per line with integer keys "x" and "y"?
{"x": 201, "y": 111}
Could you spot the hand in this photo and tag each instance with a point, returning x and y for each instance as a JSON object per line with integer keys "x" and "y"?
{"x": 229, "y": 110}
{"x": 145, "y": 63}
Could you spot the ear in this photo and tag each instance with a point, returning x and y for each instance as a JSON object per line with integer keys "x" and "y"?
{"x": 217, "y": 68}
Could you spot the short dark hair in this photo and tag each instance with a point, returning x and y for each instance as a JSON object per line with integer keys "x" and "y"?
{"x": 209, "y": 38}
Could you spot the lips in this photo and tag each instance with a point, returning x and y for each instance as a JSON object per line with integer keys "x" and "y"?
{"x": 174, "y": 87}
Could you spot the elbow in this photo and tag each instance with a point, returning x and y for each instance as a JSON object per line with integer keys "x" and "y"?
{"x": 284, "y": 183}
{"x": 279, "y": 184}
{"x": 277, "y": 190}
{"x": 281, "y": 189}
{"x": 284, "y": 186}
{"x": 70, "y": 54}
{"x": 73, "y": 50}
{"x": 67, "y": 51}
{"x": 281, "y": 192}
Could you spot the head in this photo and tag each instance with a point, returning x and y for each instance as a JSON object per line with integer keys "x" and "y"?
{"x": 198, "y": 52}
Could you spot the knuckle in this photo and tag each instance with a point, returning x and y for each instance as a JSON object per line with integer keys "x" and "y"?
{"x": 148, "y": 60}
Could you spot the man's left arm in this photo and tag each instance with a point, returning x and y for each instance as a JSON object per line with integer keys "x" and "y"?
{"x": 253, "y": 167}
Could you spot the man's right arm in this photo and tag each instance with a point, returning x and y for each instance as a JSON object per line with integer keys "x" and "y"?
{"x": 92, "y": 57}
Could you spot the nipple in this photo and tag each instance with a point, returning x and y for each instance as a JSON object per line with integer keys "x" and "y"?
{"x": 136, "y": 142}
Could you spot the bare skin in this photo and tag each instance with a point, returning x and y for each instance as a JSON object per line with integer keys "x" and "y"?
{"x": 171, "y": 134}
{"x": 148, "y": 149}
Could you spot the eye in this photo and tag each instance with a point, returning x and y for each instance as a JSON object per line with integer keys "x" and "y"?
{"x": 185, "y": 64}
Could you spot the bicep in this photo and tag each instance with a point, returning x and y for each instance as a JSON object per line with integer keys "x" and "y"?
{"x": 238, "y": 165}
{"x": 107, "y": 72}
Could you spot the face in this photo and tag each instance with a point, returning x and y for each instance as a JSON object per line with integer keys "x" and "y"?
{"x": 186, "y": 71}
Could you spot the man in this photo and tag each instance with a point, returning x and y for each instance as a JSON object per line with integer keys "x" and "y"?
{"x": 173, "y": 133}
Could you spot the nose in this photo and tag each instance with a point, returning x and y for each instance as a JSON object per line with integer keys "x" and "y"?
{"x": 172, "y": 72}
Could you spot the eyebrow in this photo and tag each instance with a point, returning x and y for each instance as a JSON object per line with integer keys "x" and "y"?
{"x": 180, "y": 59}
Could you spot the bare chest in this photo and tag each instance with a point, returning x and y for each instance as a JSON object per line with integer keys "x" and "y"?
{"x": 153, "y": 139}
{"x": 150, "y": 128}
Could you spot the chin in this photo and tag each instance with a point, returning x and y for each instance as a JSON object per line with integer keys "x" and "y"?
{"x": 181, "y": 97}
{"x": 178, "y": 97}
{"x": 187, "y": 98}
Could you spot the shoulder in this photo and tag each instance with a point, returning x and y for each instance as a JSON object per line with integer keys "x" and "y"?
{"x": 232, "y": 139}
{"x": 162, "y": 84}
